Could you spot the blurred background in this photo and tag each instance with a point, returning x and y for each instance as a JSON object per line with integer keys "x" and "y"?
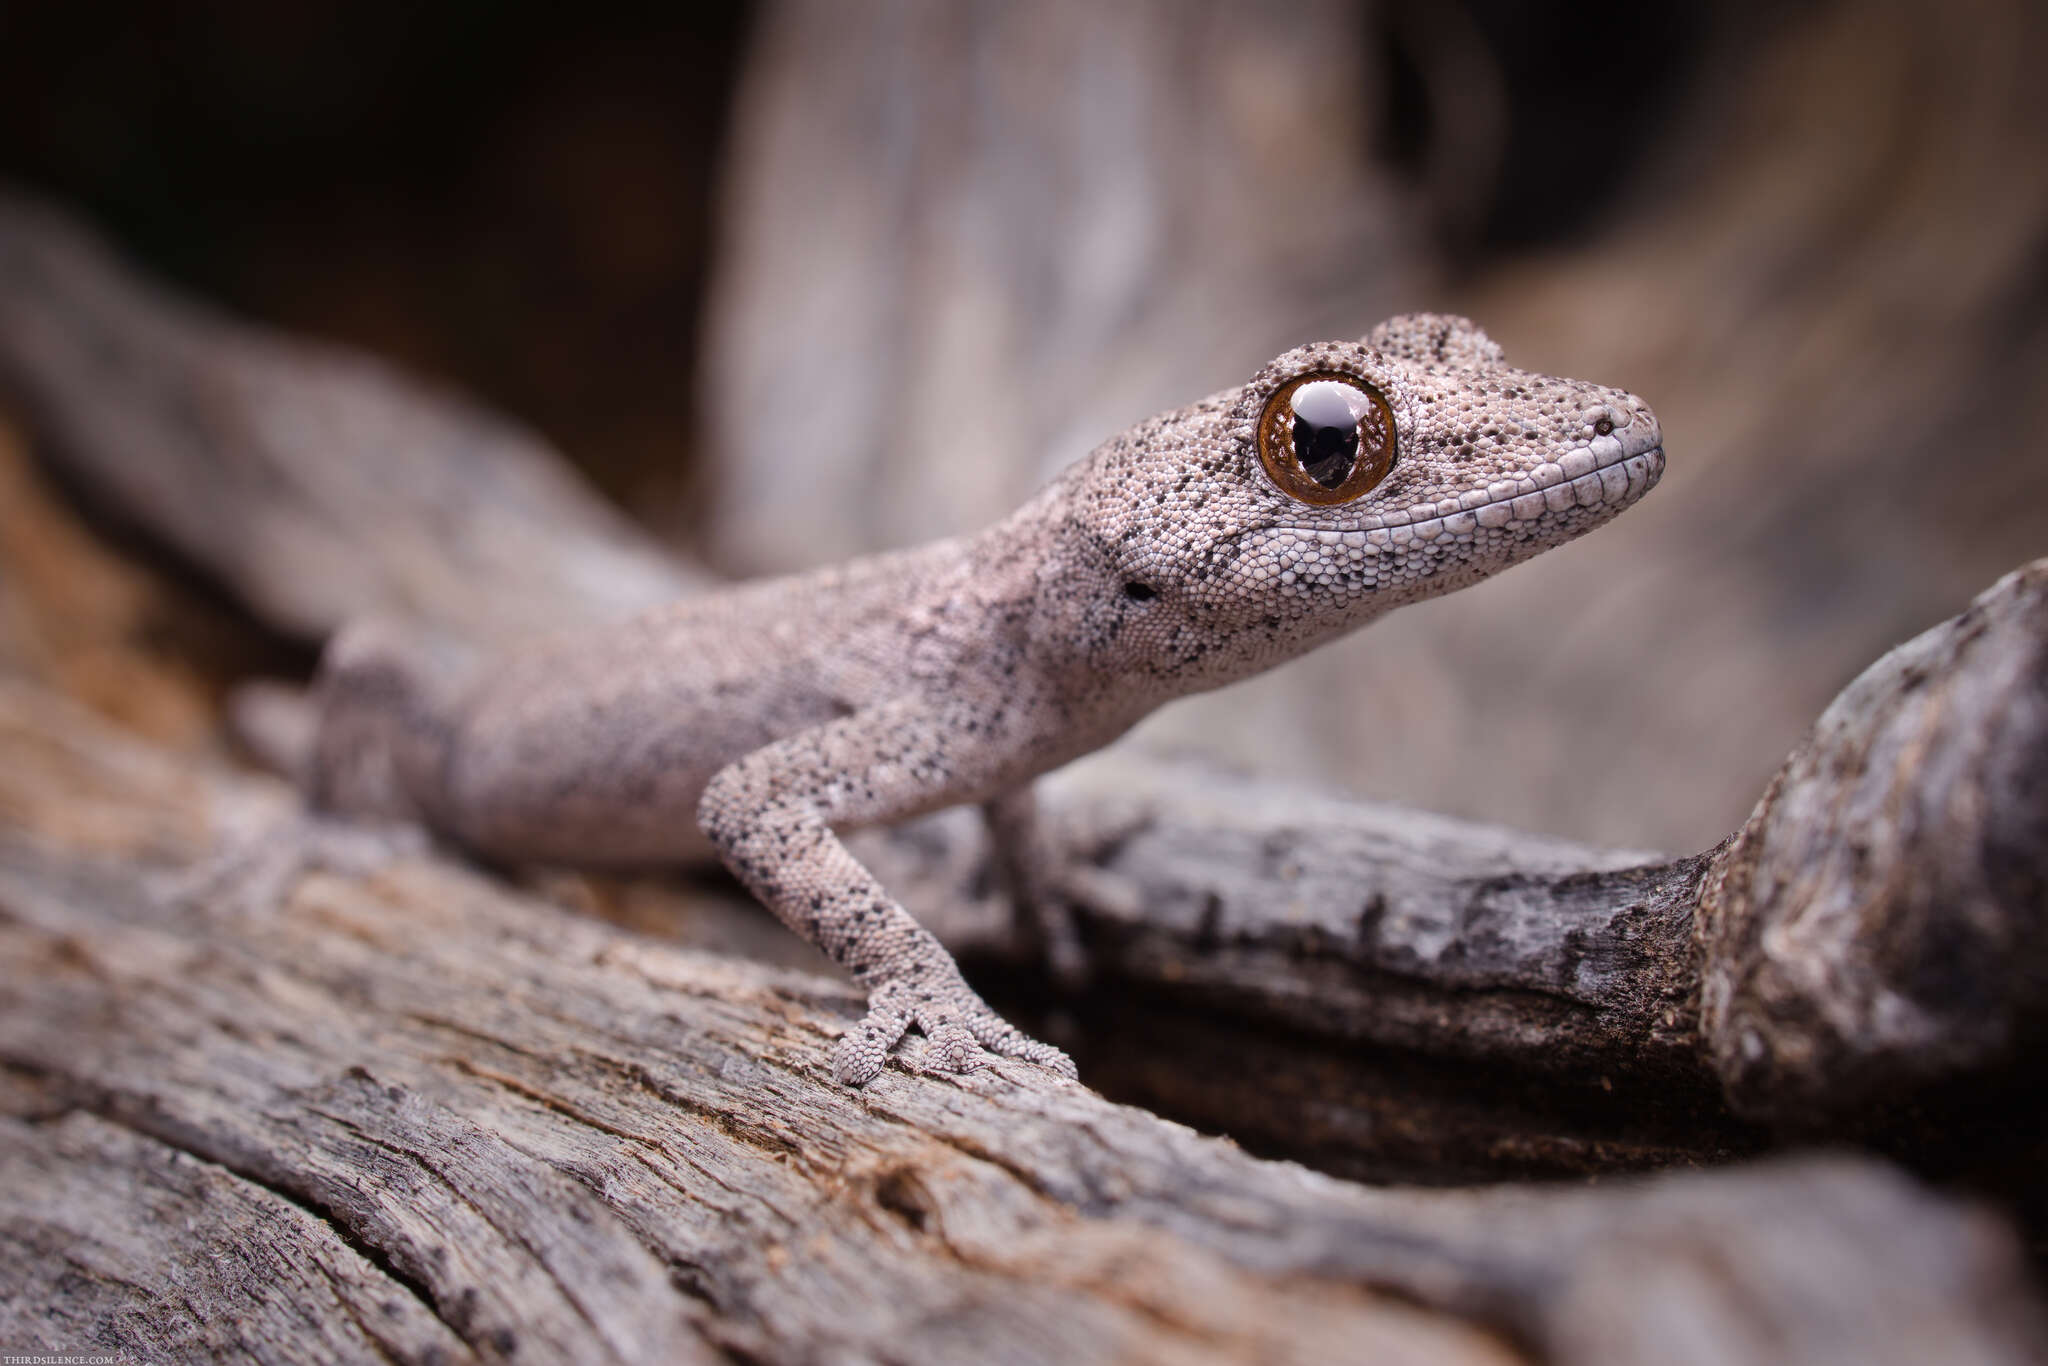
{"x": 792, "y": 281}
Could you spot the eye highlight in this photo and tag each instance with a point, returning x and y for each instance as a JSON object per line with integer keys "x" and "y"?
{"x": 1326, "y": 439}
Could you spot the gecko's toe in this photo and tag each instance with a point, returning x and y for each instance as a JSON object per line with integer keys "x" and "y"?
{"x": 861, "y": 1053}
{"x": 253, "y": 873}
{"x": 998, "y": 1035}
{"x": 962, "y": 1031}
{"x": 953, "y": 1047}
{"x": 1046, "y": 1056}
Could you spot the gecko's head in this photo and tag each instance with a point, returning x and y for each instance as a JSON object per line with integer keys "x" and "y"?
{"x": 1346, "y": 479}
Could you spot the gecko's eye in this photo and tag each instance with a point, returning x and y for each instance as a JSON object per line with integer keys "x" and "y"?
{"x": 1326, "y": 439}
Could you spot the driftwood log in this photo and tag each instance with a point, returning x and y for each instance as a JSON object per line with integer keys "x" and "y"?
{"x": 475, "y": 1123}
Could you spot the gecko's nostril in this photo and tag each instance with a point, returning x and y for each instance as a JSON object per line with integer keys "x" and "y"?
{"x": 1604, "y": 419}
{"x": 1140, "y": 592}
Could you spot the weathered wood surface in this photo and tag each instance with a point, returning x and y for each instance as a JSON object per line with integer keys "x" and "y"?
{"x": 1880, "y": 925}
{"x": 399, "y": 1112}
{"x": 1384, "y": 992}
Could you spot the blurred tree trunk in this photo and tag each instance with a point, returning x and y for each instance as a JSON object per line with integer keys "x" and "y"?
{"x": 1047, "y": 223}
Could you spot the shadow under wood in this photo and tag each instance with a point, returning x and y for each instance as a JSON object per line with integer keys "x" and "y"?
{"x": 1385, "y": 1115}
{"x": 1367, "y": 1112}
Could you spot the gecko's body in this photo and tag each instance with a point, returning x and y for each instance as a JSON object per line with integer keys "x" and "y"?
{"x": 1194, "y": 549}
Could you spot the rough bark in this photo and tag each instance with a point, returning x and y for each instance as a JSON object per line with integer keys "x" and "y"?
{"x": 1378, "y": 991}
{"x": 1880, "y": 925}
{"x": 400, "y": 1112}
{"x": 118, "y": 1242}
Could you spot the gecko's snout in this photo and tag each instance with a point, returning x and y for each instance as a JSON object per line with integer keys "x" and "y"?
{"x": 1629, "y": 421}
{"x": 1622, "y": 447}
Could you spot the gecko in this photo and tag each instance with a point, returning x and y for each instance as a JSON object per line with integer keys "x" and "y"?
{"x": 757, "y": 723}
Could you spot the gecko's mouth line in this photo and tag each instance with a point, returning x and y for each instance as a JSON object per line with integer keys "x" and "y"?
{"x": 1637, "y": 471}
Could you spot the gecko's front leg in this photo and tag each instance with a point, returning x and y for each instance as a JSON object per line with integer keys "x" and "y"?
{"x": 771, "y": 816}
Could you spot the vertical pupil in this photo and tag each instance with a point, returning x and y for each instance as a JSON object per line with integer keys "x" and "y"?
{"x": 1325, "y": 433}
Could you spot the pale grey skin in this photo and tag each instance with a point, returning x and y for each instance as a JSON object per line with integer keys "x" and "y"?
{"x": 756, "y": 722}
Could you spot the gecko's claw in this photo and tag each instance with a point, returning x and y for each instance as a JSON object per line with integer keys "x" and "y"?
{"x": 998, "y": 1035}
{"x": 961, "y": 1029}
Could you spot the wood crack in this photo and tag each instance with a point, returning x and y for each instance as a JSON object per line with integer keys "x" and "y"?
{"x": 135, "y": 1119}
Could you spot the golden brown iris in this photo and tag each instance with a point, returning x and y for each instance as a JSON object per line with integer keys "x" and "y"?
{"x": 1326, "y": 438}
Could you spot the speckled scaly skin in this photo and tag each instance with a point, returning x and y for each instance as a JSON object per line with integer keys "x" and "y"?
{"x": 756, "y": 722}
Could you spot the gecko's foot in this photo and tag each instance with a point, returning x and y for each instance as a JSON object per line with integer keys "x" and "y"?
{"x": 962, "y": 1030}
{"x": 253, "y": 875}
